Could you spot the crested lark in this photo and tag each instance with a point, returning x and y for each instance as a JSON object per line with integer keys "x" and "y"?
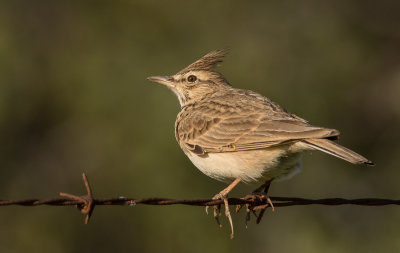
{"x": 235, "y": 135}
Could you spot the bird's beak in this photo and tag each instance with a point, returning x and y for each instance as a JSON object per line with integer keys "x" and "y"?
{"x": 165, "y": 80}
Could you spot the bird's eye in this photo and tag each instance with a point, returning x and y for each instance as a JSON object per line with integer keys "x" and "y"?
{"x": 191, "y": 79}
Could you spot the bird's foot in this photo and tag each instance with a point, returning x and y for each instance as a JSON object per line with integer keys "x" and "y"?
{"x": 260, "y": 201}
{"x": 264, "y": 198}
{"x": 223, "y": 195}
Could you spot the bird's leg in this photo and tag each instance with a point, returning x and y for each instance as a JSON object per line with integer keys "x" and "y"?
{"x": 223, "y": 195}
{"x": 258, "y": 195}
{"x": 263, "y": 188}
{"x": 262, "y": 192}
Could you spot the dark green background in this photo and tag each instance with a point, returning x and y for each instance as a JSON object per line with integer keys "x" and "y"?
{"x": 74, "y": 97}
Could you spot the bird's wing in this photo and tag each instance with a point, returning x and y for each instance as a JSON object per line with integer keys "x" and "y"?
{"x": 214, "y": 132}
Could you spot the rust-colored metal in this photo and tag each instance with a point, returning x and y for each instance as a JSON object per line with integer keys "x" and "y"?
{"x": 86, "y": 203}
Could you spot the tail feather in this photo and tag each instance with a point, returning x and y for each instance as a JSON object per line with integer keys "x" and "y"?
{"x": 337, "y": 150}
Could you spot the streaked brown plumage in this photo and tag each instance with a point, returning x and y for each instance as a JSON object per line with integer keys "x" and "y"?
{"x": 233, "y": 134}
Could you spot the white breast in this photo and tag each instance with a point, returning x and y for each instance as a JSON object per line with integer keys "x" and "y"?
{"x": 252, "y": 165}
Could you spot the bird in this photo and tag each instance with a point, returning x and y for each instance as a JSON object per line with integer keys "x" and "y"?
{"x": 235, "y": 135}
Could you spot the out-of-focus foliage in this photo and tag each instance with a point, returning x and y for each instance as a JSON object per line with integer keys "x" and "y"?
{"x": 74, "y": 98}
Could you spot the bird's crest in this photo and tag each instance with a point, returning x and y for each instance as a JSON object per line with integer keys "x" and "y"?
{"x": 207, "y": 62}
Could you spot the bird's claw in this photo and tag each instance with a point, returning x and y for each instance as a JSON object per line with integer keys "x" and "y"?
{"x": 217, "y": 210}
{"x": 253, "y": 207}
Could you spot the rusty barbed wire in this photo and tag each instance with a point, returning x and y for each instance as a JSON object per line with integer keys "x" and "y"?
{"x": 86, "y": 203}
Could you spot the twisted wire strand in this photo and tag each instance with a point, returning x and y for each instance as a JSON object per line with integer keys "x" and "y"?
{"x": 278, "y": 201}
{"x": 86, "y": 203}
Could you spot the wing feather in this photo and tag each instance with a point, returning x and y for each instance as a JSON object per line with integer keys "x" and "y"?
{"x": 223, "y": 127}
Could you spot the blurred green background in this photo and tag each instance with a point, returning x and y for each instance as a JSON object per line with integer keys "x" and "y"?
{"x": 74, "y": 97}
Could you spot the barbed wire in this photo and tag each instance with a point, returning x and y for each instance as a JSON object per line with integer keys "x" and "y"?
{"x": 86, "y": 203}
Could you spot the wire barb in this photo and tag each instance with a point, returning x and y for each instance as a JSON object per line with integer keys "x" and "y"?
{"x": 86, "y": 203}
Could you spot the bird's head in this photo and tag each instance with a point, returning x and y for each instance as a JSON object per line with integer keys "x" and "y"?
{"x": 197, "y": 80}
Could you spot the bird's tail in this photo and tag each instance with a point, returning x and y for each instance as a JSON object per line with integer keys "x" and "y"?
{"x": 337, "y": 150}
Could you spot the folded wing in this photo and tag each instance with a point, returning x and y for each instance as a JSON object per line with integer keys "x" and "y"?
{"x": 202, "y": 133}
